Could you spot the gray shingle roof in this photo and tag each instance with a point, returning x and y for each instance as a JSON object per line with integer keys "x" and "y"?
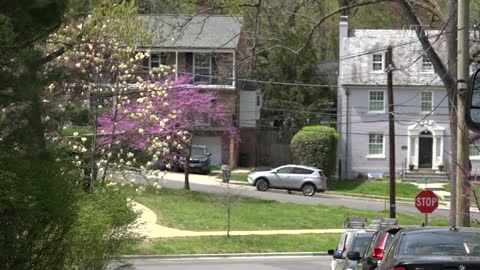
{"x": 197, "y": 32}
{"x": 407, "y": 57}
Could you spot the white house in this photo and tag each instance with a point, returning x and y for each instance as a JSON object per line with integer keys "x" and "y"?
{"x": 421, "y": 103}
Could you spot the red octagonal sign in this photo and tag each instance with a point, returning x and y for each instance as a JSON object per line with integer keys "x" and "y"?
{"x": 426, "y": 201}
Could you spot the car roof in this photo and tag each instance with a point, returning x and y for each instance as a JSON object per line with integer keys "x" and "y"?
{"x": 438, "y": 229}
{"x": 301, "y": 166}
{"x": 199, "y": 146}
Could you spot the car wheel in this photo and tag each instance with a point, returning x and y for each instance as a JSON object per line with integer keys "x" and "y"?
{"x": 308, "y": 189}
{"x": 262, "y": 184}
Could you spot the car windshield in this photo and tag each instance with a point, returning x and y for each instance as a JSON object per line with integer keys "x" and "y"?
{"x": 198, "y": 151}
{"x": 450, "y": 243}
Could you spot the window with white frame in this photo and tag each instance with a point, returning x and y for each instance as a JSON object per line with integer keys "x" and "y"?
{"x": 375, "y": 144}
{"x": 376, "y": 101}
{"x": 474, "y": 149}
{"x": 426, "y": 64}
{"x": 154, "y": 61}
{"x": 426, "y": 101}
{"x": 378, "y": 62}
{"x": 202, "y": 67}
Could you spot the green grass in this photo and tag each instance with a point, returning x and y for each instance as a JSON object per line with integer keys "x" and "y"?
{"x": 236, "y": 244}
{"x": 82, "y": 130}
{"x": 196, "y": 211}
{"x": 378, "y": 188}
{"x": 242, "y": 177}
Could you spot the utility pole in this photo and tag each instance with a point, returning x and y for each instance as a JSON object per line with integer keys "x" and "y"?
{"x": 463, "y": 206}
{"x": 391, "y": 131}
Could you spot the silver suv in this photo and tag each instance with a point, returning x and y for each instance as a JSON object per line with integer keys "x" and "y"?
{"x": 290, "y": 177}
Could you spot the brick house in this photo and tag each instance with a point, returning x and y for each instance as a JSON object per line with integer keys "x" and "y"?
{"x": 210, "y": 49}
{"x": 421, "y": 103}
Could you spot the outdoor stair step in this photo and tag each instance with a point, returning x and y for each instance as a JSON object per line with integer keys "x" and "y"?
{"x": 430, "y": 177}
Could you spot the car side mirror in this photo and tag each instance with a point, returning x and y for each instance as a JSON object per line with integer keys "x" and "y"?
{"x": 472, "y": 112}
{"x": 354, "y": 255}
{"x": 337, "y": 254}
{"x": 209, "y": 154}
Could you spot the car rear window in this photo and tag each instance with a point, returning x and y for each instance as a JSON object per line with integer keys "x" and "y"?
{"x": 442, "y": 243}
{"x": 361, "y": 242}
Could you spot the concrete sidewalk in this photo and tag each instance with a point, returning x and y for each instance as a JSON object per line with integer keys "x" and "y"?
{"x": 148, "y": 228}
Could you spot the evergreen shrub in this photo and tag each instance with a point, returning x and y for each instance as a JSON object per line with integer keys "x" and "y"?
{"x": 315, "y": 146}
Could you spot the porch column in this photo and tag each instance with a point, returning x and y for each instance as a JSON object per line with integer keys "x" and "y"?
{"x": 176, "y": 64}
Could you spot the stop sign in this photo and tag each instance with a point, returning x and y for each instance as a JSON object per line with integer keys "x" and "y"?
{"x": 426, "y": 201}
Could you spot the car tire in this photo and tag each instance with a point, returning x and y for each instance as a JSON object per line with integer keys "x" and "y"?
{"x": 308, "y": 189}
{"x": 262, "y": 184}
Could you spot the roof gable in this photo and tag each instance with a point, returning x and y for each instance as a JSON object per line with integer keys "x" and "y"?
{"x": 197, "y": 32}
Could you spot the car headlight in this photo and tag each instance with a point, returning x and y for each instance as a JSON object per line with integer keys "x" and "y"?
{"x": 203, "y": 159}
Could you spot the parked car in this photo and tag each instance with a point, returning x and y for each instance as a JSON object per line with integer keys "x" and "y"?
{"x": 373, "y": 254}
{"x": 290, "y": 177}
{"x": 433, "y": 248}
{"x": 350, "y": 241}
{"x": 199, "y": 159}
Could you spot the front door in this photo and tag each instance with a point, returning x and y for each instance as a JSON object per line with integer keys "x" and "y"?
{"x": 425, "y": 152}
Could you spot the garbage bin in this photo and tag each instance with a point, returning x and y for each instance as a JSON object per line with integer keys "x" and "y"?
{"x": 226, "y": 173}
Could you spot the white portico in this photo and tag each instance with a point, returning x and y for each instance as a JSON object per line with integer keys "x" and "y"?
{"x": 425, "y": 144}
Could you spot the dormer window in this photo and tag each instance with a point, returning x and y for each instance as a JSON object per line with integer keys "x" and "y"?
{"x": 426, "y": 64}
{"x": 378, "y": 64}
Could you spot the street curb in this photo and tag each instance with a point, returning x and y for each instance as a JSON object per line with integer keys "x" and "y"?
{"x": 225, "y": 255}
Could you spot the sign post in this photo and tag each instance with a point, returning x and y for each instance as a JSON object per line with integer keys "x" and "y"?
{"x": 426, "y": 202}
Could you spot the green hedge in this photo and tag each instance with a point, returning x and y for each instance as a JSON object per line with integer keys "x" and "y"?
{"x": 316, "y": 146}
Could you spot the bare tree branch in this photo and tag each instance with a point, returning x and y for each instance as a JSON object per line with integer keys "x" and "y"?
{"x": 341, "y": 9}
{"x": 432, "y": 7}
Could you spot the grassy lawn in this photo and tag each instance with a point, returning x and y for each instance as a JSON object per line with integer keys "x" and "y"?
{"x": 236, "y": 244}
{"x": 242, "y": 177}
{"x": 379, "y": 188}
{"x": 196, "y": 211}
{"x": 82, "y": 130}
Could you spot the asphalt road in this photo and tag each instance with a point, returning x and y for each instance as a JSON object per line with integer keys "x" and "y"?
{"x": 236, "y": 263}
{"x": 173, "y": 181}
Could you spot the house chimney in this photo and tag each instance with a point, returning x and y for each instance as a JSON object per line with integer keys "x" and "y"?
{"x": 342, "y": 35}
{"x": 202, "y": 8}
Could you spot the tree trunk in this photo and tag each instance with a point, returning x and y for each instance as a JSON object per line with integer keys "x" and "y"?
{"x": 447, "y": 73}
{"x": 186, "y": 167}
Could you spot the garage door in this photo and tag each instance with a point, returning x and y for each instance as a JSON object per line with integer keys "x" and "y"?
{"x": 214, "y": 145}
